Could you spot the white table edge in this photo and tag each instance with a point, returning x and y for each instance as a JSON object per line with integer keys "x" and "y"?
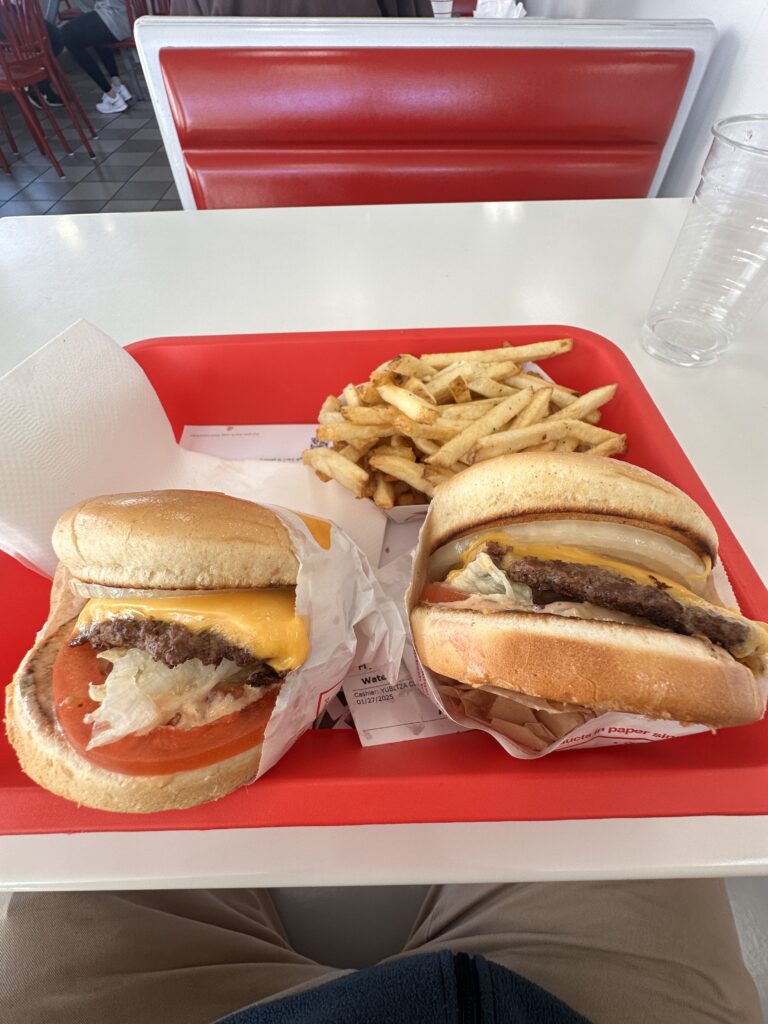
{"x": 391, "y": 854}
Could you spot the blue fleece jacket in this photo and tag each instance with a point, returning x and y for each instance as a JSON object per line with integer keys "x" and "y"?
{"x": 434, "y": 988}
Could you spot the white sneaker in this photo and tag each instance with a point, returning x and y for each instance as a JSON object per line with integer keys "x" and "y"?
{"x": 123, "y": 93}
{"x": 111, "y": 104}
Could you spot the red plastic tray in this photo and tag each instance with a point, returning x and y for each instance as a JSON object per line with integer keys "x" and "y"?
{"x": 328, "y": 778}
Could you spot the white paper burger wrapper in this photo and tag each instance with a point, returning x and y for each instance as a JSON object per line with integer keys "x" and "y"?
{"x": 520, "y": 724}
{"x": 79, "y": 418}
{"x": 349, "y": 620}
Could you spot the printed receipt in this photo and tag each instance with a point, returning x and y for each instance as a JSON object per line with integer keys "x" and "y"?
{"x": 389, "y": 712}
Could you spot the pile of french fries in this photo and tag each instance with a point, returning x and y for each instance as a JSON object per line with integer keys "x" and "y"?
{"x": 418, "y": 421}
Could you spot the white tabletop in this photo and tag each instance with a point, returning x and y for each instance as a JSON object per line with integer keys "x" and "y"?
{"x": 589, "y": 264}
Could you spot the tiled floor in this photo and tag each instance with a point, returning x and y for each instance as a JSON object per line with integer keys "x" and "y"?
{"x": 130, "y": 172}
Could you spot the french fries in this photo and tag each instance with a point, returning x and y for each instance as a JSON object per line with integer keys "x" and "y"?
{"x": 459, "y": 390}
{"x": 331, "y": 464}
{"x": 410, "y": 405}
{"x": 368, "y": 415}
{"x": 383, "y": 492}
{"x": 354, "y": 454}
{"x": 351, "y": 395}
{"x": 403, "y": 469}
{"x": 586, "y": 404}
{"x": 419, "y": 420}
{"x": 409, "y": 366}
{"x": 330, "y": 411}
{"x": 560, "y": 396}
{"x": 567, "y": 444}
{"x": 520, "y": 353}
{"x": 517, "y": 440}
{"x": 536, "y": 409}
{"x": 441, "y": 430}
{"x": 495, "y": 418}
{"x": 352, "y": 432}
{"x": 401, "y": 453}
{"x": 468, "y": 410}
{"x": 489, "y": 388}
{"x": 527, "y": 437}
{"x": 616, "y": 445}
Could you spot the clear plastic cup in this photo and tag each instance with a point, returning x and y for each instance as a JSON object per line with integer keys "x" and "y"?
{"x": 717, "y": 276}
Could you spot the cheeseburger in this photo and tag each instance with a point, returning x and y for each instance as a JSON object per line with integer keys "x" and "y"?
{"x": 172, "y": 628}
{"x": 582, "y": 584}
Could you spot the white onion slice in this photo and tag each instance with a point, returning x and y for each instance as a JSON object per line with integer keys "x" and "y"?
{"x": 648, "y": 549}
{"x": 126, "y": 594}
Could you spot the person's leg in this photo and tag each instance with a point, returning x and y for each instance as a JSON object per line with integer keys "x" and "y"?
{"x": 54, "y": 34}
{"x": 180, "y": 957}
{"x": 102, "y": 36}
{"x": 79, "y": 35}
{"x": 52, "y": 98}
{"x": 108, "y": 59}
{"x": 632, "y": 952}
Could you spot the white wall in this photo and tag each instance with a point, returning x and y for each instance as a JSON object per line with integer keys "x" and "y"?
{"x": 737, "y": 78}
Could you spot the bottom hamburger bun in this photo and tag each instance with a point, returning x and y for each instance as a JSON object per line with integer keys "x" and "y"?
{"x": 608, "y": 666}
{"x": 47, "y": 756}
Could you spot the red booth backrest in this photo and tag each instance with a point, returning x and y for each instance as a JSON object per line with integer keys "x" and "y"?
{"x": 314, "y": 127}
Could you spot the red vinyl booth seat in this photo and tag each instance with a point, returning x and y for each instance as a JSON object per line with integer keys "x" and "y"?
{"x": 313, "y": 127}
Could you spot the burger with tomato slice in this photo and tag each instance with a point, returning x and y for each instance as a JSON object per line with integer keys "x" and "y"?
{"x": 172, "y": 629}
{"x": 575, "y": 582}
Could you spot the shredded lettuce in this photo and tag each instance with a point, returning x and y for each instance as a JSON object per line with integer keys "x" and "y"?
{"x": 482, "y": 576}
{"x": 140, "y": 694}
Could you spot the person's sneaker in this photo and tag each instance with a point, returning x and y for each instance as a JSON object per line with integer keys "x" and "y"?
{"x": 51, "y": 97}
{"x": 49, "y": 94}
{"x": 123, "y": 93}
{"x": 32, "y": 97}
{"x": 111, "y": 104}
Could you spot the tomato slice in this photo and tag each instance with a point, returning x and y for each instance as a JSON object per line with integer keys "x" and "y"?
{"x": 442, "y": 593}
{"x": 166, "y": 749}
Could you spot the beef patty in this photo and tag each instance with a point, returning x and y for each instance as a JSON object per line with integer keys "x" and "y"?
{"x": 172, "y": 643}
{"x": 573, "y": 582}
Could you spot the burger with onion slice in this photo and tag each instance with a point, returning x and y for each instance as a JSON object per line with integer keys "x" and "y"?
{"x": 172, "y": 628}
{"x": 586, "y": 582}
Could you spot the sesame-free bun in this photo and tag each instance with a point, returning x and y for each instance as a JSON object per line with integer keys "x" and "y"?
{"x": 556, "y": 484}
{"x": 49, "y": 759}
{"x": 608, "y": 666}
{"x": 175, "y": 540}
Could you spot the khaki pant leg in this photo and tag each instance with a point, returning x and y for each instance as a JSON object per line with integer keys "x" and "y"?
{"x": 618, "y": 952}
{"x": 180, "y": 957}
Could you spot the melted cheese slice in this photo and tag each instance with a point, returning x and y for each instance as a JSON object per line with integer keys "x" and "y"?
{"x": 263, "y": 622}
{"x": 579, "y": 556}
{"x": 319, "y": 528}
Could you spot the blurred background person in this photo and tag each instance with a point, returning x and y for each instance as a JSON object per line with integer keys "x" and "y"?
{"x": 305, "y": 8}
{"x": 88, "y": 39}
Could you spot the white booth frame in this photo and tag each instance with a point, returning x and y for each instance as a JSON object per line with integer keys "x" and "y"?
{"x": 156, "y": 33}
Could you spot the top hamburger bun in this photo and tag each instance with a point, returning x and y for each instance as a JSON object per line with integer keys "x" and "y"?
{"x": 551, "y": 484}
{"x": 175, "y": 540}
